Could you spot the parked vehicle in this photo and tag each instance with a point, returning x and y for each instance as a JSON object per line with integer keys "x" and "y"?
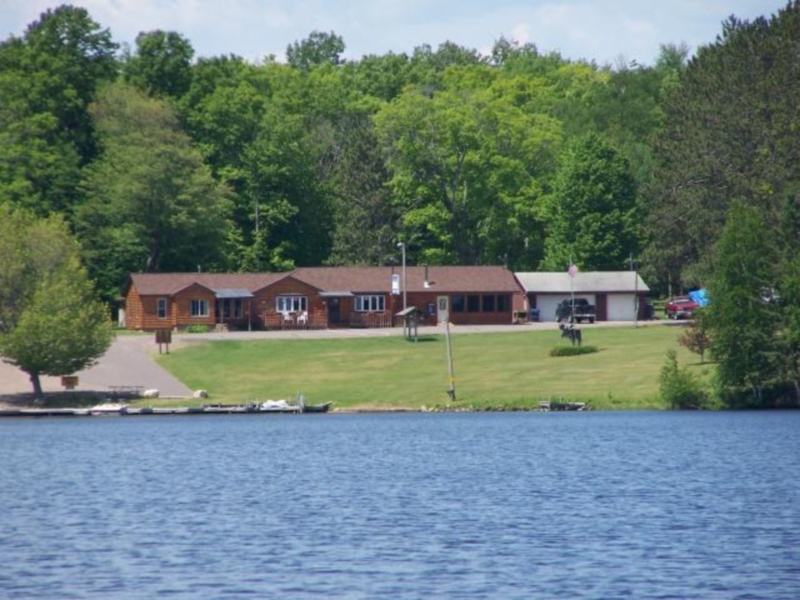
{"x": 578, "y": 312}
{"x": 681, "y": 307}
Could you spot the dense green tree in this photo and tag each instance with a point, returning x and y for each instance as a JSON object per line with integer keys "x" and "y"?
{"x": 69, "y": 57}
{"x": 364, "y": 220}
{"x": 47, "y": 80}
{"x": 591, "y": 216}
{"x": 151, "y": 204}
{"x": 161, "y": 65}
{"x": 382, "y": 77}
{"x": 294, "y": 219}
{"x": 39, "y": 163}
{"x": 729, "y": 132}
{"x": 787, "y": 294}
{"x": 50, "y": 321}
{"x": 467, "y": 172}
{"x": 742, "y": 325}
{"x": 317, "y": 49}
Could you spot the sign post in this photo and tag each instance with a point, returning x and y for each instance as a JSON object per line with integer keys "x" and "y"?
{"x": 163, "y": 336}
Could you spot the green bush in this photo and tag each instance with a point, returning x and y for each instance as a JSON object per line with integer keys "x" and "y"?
{"x": 572, "y": 350}
{"x": 679, "y": 387}
{"x": 197, "y": 329}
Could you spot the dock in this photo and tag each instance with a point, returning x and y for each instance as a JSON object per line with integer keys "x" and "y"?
{"x": 123, "y": 410}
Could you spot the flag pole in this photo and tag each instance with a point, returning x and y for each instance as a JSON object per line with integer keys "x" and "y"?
{"x": 572, "y": 271}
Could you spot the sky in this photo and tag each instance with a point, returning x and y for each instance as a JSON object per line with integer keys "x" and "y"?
{"x": 606, "y": 31}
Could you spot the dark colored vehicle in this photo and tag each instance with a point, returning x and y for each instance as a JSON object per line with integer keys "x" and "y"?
{"x": 579, "y": 312}
{"x": 681, "y": 307}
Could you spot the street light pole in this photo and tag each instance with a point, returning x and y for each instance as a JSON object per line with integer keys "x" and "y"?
{"x": 402, "y": 246}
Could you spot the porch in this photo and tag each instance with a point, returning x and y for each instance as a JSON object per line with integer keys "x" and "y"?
{"x": 313, "y": 319}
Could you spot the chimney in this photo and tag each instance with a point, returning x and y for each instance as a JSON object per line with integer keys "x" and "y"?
{"x": 426, "y": 284}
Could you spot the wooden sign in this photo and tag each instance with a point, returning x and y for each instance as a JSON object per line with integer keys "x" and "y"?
{"x": 70, "y": 382}
{"x": 163, "y": 336}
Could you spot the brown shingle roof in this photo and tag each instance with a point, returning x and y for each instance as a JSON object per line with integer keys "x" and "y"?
{"x": 353, "y": 279}
{"x": 166, "y": 284}
{"x": 441, "y": 279}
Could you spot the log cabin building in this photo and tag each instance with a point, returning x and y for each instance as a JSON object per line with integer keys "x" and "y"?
{"x": 322, "y": 297}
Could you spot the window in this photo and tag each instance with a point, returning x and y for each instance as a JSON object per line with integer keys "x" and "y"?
{"x": 502, "y": 303}
{"x": 458, "y": 303}
{"x": 487, "y": 303}
{"x": 231, "y": 307}
{"x": 162, "y": 308}
{"x": 199, "y": 308}
{"x": 473, "y": 303}
{"x": 291, "y": 304}
{"x": 370, "y": 303}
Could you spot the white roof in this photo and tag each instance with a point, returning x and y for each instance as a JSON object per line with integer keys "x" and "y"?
{"x": 588, "y": 282}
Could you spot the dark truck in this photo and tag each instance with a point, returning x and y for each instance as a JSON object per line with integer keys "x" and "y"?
{"x": 578, "y": 312}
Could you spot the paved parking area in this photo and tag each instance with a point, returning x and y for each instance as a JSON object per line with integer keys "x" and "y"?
{"x": 128, "y": 362}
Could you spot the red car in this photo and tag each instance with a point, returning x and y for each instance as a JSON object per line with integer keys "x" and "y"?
{"x": 680, "y": 308}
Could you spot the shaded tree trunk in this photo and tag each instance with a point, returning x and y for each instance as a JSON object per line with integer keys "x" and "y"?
{"x": 38, "y": 394}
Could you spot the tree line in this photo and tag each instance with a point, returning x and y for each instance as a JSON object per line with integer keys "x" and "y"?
{"x": 160, "y": 161}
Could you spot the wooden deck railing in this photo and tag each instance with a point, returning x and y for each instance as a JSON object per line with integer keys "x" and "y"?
{"x": 312, "y": 320}
{"x": 370, "y": 320}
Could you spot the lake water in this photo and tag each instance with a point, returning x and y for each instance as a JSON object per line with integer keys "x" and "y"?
{"x": 499, "y": 505}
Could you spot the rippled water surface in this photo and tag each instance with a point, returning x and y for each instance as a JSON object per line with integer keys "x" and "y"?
{"x": 516, "y": 505}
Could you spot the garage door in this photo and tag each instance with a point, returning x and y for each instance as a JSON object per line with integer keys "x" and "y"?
{"x": 620, "y": 307}
{"x": 547, "y": 304}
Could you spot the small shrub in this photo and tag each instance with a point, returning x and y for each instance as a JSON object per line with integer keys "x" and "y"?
{"x": 679, "y": 387}
{"x": 572, "y": 350}
{"x": 696, "y": 338}
{"x": 197, "y": 329}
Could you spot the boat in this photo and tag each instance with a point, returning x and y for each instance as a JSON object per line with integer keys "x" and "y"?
{"x": 548, "y": 406}
{"x": 305, "y": 407}
{"x": 278, "y": 406}
{"x": 316, "y": 408}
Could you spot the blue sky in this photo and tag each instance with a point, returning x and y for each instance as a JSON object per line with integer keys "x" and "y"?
{"x": 603, "y": 30}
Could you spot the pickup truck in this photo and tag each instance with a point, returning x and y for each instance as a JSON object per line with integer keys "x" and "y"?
{"x": 579, "y": 312}
{"x": 682, "y": 307}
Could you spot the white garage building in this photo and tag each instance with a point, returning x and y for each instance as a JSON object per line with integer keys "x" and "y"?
{"x": 617, "y": 295}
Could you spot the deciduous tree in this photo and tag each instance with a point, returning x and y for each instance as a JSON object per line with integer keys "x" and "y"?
{"x": 152, "y": 203}
{"x": 317, "y": 49}
{"x": 591, "y": 216}
{"x": 161, "y": 65}
{"x": 50, "y": 321}
{"x": 743, "y": 326}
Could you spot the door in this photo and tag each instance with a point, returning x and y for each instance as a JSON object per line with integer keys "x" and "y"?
{"x": 442, "y": 309}
{"x": 334, "y": 314}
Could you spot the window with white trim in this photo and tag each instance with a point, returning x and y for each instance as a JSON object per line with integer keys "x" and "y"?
{"x": 286, "y": 304}
{"x": 199, "y": 308}
{"x": 162, "y": 308}
{"x": 370, "y": 303}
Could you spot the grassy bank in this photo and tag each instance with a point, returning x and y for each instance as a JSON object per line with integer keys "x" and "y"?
{"x": 503, "y": 370}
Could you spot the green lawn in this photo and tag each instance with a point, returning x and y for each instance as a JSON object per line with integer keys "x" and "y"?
{"x": 502, "y": 370}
